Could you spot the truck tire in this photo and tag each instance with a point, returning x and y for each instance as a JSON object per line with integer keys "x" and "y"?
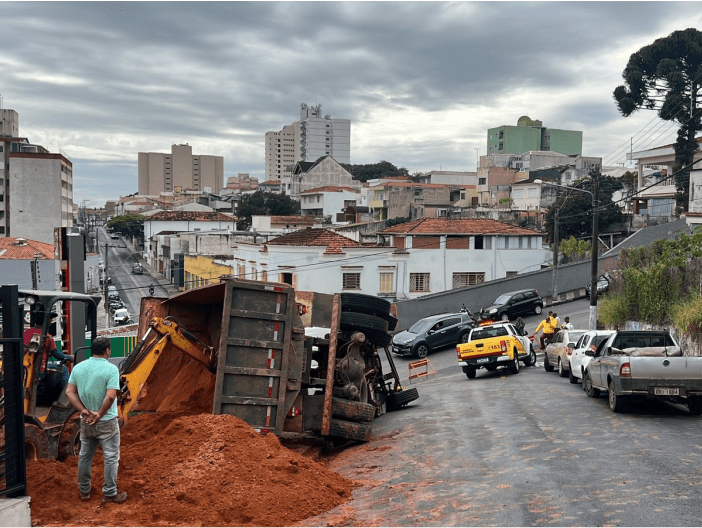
{"x": 395, "y": 400}
{"x": 591, "y": 391}
{"x": 547, "y": 366}
{"x": 616, "y": 403}
{"x": 357, "y": 321}
{"x": 380, "y": 339}
{"x": 514, "y": 366}
{"x": 366, "y": 304}
{"x": 350, "y": 430}
{"x": 694, "y": 405}
{"x": 392, "y": 322}
{"x": 352, "y": 410}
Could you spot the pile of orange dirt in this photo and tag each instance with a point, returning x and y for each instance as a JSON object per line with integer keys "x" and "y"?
{"x": 180, "y": 469}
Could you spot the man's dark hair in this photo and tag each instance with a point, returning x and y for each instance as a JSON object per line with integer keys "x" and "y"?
{"x": 100, "y": 346}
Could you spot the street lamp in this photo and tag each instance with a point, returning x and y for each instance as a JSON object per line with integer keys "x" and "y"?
{"x": 593, "y": 269}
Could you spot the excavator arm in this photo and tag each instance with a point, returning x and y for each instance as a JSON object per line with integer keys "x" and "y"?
{"x": 136, "y": 369}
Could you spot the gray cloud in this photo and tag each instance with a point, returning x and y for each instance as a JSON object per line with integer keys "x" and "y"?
{"x": 421, "y": 82}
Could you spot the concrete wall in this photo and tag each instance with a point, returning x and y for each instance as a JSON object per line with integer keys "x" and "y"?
{"x": 572, "y": 279}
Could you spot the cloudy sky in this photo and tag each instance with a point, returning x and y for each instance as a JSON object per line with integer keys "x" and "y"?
{"x": 421, "y": 82}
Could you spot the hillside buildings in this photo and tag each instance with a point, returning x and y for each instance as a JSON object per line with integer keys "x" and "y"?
{"x": 40, "y": 197}
{"x": 179, "y": 171}
{"x": 308, "y": 139}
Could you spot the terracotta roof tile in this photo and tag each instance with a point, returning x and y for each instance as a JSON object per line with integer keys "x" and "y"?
{"x": 316, "y": 237}
{"x": 190, "y": 216}
{"x": 307, "y": 220}
{"x": 26, "y": 251}
{"x": 270, "y": 182}
{"x": 450, "y": 226}
{"x": 330, "y": 188}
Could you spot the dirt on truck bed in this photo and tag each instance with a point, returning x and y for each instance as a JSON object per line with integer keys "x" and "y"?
{"x": 190, "y": 470}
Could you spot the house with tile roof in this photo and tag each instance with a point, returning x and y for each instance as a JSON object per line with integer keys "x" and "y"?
{"x": 16, "y": 256}
{"x": 178, "y": 221}
{"x": 311, "y": 175}
{"x": 328, "y": 201}
{"x": 413, "y": 259}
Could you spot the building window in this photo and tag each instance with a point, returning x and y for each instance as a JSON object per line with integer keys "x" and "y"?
{"x": 387, "y": 283}
{"x": 479, "y": 242}
{"x": 264, "y": 275}
{"x": 463, "y": 279}
{"x": 482, "y": 181}
{"x": 352, "y": 281}
{"x": 419, "y": 282}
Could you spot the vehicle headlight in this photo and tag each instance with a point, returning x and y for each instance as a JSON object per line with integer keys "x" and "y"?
{"x": 404, "y": 341}
{"x": 494, "y": 310}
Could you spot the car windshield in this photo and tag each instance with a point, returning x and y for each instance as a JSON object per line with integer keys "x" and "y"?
{"x": 421, "y": 326}
{"x": 502, "y": 299}
{"x": 486, "y": 333}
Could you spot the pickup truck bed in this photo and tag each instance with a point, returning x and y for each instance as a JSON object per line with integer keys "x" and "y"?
{"x": 654, "y": 368}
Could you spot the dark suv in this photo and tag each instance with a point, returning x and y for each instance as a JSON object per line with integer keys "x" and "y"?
{"x": 509, "y": 306}
{"x": 435, "y": 331}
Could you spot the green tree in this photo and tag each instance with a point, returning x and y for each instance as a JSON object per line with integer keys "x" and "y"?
{"x": 375, "y": 170}
{"x": 575, "y": 214}
{"x": 264, "y": 203}
{"x": 665, "y": 76}
{"x": 129, "y": 225}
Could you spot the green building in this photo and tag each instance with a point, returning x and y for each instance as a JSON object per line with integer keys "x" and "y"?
{"x": 532, "y": 135}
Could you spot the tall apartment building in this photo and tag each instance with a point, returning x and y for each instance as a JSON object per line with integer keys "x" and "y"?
{"x": 308, "y": 139}
{"x": 40, "y": 196}
{"x": 179, "y": 171}
{"x": 532, "y": 135}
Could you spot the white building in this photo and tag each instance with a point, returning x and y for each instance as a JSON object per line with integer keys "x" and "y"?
{"x": 328, "y": 201}
{"x": 425, "y": 256}
{"x": 168, "y": 222}
{"x": 449, "y": 177}
{"x": 308, "y": 139}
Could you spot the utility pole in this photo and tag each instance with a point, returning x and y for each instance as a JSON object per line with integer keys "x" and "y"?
{"x": 477, "y": 158}
{"x": 554, "y": 278}
{"x": 595, "y": 237}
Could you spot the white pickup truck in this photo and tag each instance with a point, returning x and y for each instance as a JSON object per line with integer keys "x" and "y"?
{"x": 644, "y": 364}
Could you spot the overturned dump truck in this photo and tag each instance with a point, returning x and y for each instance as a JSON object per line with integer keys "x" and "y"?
{"x": 240, "y": 347}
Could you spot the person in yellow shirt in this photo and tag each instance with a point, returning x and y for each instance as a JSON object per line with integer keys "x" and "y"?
{"x": 549, "y": 328}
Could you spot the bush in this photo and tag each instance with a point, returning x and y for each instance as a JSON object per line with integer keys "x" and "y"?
{"x": 687, "y": 316}
{"x": 613, "y": 310}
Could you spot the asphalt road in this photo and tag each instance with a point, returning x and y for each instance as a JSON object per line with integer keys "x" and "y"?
{"x": 119, "y": 259}
{"x": 522, "y": 450}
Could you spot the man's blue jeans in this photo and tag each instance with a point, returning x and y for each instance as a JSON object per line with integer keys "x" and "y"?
{"x": 106, "y": 434}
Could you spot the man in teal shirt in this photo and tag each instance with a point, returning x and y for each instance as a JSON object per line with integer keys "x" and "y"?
{"x": 92, "y": 389}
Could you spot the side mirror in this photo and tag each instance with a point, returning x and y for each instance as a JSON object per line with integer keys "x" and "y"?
{"x": 590, "y": 353}
{"x": 430, "y": 331}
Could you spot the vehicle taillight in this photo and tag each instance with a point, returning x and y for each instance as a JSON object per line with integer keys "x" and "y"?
{"x": 625, "y": 370}
{"x": 503, "y": 346}
{"x": 458, "y": 351}
{"x": 569, "y": 351}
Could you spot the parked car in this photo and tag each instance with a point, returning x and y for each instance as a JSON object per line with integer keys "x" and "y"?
{"x": 112, "y": 293}
{"x": 560, "y": 349}
{"x": 578, "y": 359}
{"x": 121, "y": 317}
{"x": 509, "y": 306}
{"x": 602, "y": 285}
{"x": 137, "y": 269}
{"x": 432, "y": 332}
{"x": 645, "y": 365}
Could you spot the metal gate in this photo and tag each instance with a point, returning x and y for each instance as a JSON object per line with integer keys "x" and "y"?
{"x": 13, "y": 471}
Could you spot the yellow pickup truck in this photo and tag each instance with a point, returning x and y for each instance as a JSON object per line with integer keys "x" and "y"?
{"x": 493, "y": 345}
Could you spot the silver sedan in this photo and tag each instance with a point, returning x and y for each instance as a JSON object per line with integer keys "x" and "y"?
{"x": 559, "y": 350}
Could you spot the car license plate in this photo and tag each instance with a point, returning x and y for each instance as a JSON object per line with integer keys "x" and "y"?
{"x": 483, "y": 360}
{"x": 666, "y": 391}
